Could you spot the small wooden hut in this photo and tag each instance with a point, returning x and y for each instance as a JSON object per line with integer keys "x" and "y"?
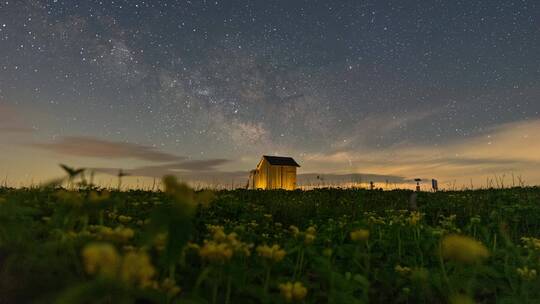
{"x": 274, "y": 172}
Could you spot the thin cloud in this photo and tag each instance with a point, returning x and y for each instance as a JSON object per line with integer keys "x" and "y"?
{"x": 193, "y": 171}
{"x": 350, "y": 178}
{"x": 97, "y": 148}
{"x": 185, "y": 168}
{"x": 14, "y": 129}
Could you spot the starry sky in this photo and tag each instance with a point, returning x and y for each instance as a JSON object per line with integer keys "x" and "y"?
{"x": 353, "y": 90}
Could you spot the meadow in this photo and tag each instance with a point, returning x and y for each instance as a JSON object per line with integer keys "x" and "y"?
{"x": 90, "y": 245}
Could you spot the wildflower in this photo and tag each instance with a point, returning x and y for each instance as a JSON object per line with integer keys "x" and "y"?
{"x": 531, "y": 243}
{"x": 222, "y": 246}
{"x": 414, "y": 218}
{"x": 137, "y": 268}
{"x": 360, "y": 235}
{"x": 100, "y": 258}
{"x": 526, "y": 274}
{"x": 309, "y": 238}
{"x": 124, "y": 219}
{"x": 124, "y": 234}
{"x": 475, "y": 220}
{"x": 232, "y": 241}
{"x": 403, "y": 270}
{"x": 274, "y": 253}
{"x": 294, "y": 230}
{"x": 216, "y": 252}
{"x": 463, "y": 249}
{"x": 119, "y": 234}
{"x": 311, "y": 230}
{"x": 293, "y": 291}
{"x": 374, "y": 220}
{"x": 218, "y": 233}
{"x": 192, "y": 246}
{"x": 169, "y": 286}
{"x": 310, "y": 235}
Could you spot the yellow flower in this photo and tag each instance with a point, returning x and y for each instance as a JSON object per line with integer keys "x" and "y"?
{"x": 526, "y": 274}
{"x": 100, "y": 258}
{"x": 463, "y": 249}
{"x": 414, "y": 218}
{"x": 294, "y": 230}
{"x": 403, "y": 270}
{"x": 170, "y": 287}
{"x": 232, "y": 241}
{"x": 216, "y": 252}
{"x": 137, "y": 269}
{"x": 310, "y": 235}
{"x": 218, "y": 233}
{"x": 124, "y": 234}
{"x": 293, "y": 291}
{"x": 311, "y": 230}
{"x": 309, "y": 238}
{"x": 273, "y": 253}
{"x": 193, "y": 246}
{"x": 360, "y": 235}
{"x": 124, "y": 219}
{"x": 119, "y": 234}
{"x": 531, "y": 243}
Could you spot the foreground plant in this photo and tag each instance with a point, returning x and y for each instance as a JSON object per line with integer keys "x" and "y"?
{"x": 463, "y": 249}
{"x": 293, "y": 291}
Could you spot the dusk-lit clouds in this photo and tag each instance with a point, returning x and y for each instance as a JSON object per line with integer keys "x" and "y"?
{"x": 505, "y": 149}
{"x": 194, "y": 171}
{"x": 8, "y": 129}
{"x": 105, "y": 149}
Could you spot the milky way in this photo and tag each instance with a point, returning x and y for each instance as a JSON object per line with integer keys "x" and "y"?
{"x": 346, "y": 86}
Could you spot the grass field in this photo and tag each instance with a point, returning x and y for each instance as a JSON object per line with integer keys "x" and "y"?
{"x": 320, "y": 246}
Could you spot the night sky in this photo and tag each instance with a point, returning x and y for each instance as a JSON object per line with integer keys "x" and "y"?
{"x": 370, "y": 90}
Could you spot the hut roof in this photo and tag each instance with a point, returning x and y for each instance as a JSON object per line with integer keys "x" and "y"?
{"x": 281, "y": 161}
